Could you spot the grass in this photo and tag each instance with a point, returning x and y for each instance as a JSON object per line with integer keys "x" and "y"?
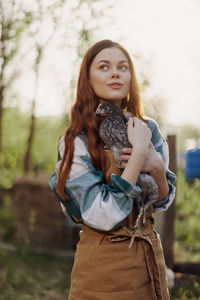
{"x": 187, "y": 226}
{"x": 186, "y": 287}
{"x": 28, "y": 276}
{"x": 187, "y": 230}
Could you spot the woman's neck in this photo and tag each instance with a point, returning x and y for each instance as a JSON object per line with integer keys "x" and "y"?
{"x": 116, "y": 102}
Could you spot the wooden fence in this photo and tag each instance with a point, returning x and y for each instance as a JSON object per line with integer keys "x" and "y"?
{"x": 166, "y": 220}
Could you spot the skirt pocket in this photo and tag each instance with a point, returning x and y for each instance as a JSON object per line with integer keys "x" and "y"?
{"x": 110, "y": 268}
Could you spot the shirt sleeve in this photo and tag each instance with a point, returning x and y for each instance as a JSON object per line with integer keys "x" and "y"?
{"x": 102, "y": 206}
{"x": 161, "y": 147}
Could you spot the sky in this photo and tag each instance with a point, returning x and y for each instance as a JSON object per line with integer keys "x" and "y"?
{"x": 168, "y": 34}
{"x": 163, "y": 38}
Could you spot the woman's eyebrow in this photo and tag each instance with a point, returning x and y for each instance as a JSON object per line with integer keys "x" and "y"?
{"x": 102, "y": 60}
{"x": 107, "y": 61}
{"x": 123, "y": 61}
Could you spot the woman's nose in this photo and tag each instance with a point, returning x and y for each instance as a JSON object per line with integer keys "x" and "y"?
{"x": 115, "y": 73}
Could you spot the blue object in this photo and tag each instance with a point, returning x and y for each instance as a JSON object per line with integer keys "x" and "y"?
{"x": 192, "y": 169}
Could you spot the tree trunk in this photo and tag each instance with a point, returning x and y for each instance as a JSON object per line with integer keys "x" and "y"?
{"x": 2, "y": 85}
{"x": 27, "y": 157}
{"x": 1, "y": 122}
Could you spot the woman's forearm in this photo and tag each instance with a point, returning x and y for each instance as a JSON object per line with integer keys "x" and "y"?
{"x": 161, "y": 181}
{"x": 133, "y": 167}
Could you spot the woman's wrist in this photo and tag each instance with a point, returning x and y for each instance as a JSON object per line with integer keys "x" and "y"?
{"x": 139, "y": 151}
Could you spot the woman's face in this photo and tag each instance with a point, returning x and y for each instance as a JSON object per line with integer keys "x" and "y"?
{"x": 110, "y": 76}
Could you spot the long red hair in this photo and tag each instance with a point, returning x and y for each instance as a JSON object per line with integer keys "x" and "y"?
{"x": 83, "y": 114}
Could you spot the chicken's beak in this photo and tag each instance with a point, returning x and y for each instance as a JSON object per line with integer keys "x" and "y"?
{"x": 98, "y": 111}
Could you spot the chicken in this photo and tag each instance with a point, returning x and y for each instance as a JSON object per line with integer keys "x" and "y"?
{"x": 113, "y": 133}
{"x": 113, "y": 129}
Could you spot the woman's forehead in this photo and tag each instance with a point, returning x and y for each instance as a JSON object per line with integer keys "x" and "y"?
{"x": 111, "y": 55}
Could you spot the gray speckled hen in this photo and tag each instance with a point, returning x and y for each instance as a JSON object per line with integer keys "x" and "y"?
{"x": 113, "y": 129}
{"x": 113, "y": 132}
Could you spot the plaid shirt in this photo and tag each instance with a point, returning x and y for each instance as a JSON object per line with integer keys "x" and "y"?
{"x": 89, "y": 200}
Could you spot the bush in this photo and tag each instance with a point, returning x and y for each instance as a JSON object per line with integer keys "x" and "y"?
{"x": 187, "y": 219}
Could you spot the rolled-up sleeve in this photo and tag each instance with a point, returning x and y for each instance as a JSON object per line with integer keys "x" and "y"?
{"x": 164, "y": 204}
{"x": 161, "y": 147}
{"x": 102, "y": 206}
{"x": 124, "y": 186}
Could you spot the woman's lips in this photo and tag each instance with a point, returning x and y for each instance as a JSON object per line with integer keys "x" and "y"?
{"x": 115, "y": 85}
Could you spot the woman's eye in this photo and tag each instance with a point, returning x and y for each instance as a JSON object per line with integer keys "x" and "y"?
{"x": 123, "y": 68}
{"x": 104, "y": 67}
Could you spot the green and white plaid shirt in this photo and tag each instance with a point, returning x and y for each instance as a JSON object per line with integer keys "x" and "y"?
{"x": 98, "y": 204}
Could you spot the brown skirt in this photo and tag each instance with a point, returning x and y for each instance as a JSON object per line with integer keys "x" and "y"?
{"x": 105, "y": 268}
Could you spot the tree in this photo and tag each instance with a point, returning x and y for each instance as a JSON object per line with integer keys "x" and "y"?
{"x": 40, "y": 46}
{"x": 86, "y": 14}
{"x": 186, "y": 132}
{"x": 13, "y": 21}
{"x": 156, "y": 108}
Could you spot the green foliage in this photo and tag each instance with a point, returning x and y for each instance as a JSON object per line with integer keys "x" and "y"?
{"x": 190, "y": 290}
{"x": 14, "y": 138}
{"x": 187, "y": 221}
{"x": 187, "y": 131}
{"x": 14, "y": 22}
{"x": 25, "y": 275}
{"x": 44, "y": 154}
{"x": 15, "y": 135}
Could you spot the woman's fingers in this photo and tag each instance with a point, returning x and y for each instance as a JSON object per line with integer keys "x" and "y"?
{"x": 139, "y": 135}
{"x": 124, "y": 157}
{"x": 123, "y": 166}
{"x": 127, "y": 150}
{"x": 131, "y": 120}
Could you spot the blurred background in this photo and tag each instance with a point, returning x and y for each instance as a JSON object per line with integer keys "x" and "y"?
{"x": 42, "y": 43}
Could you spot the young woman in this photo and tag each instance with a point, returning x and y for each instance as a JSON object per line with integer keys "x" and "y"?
{"x": 94, "y": 192}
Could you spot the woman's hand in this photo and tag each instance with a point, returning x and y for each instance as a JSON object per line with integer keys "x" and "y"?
{"x": 125, "y": 156}
{"x": 154, "y": 165}
{"x": 139, "y": 135}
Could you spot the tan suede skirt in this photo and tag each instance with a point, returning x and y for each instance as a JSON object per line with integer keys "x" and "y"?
{"x": 105, "y": 268}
